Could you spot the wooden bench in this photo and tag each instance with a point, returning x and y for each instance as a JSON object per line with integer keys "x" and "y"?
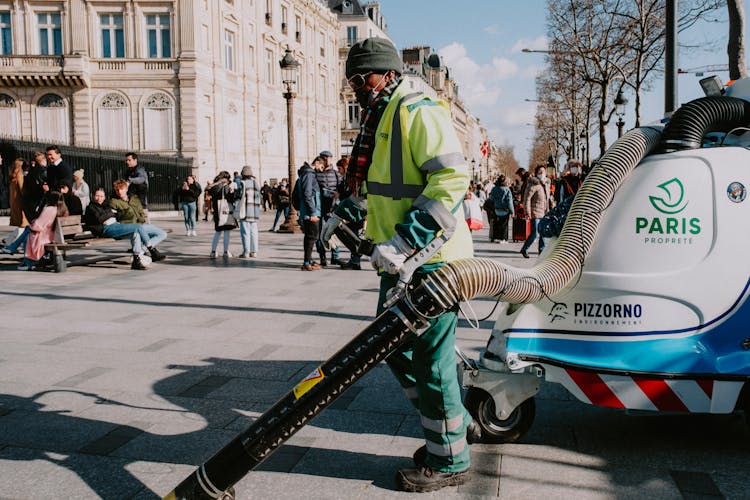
{"x": 69, "y": 235}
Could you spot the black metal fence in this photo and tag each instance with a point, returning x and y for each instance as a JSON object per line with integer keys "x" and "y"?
{"x": 102, "y": 167}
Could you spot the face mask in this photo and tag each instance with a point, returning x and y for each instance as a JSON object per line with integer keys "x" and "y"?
{"x": 541, "y": 176}
{"x": 574, "y": 170}
{"x": 364, "y": 99}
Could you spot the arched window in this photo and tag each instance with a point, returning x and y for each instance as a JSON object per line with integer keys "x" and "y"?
{"x": 8, "y": 115}
{"x": 158, "y": 122}
{"x": 52, "y": 123}
{"x": 113, "y": 123}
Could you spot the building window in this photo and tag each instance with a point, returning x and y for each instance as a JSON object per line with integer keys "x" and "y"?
{"x": 251, "y": 56}
{"x": 9, "y": 115}
{"x": 352, "y": 114}
{"x": 269, "y": 12}
{"x": 351, "y": 35}
{"x": 158, "y": 36}
{"x": 113, "y": 122}
{"x": 158, "y": 123}
{"x": 270, "y": 67}
{"x": 6, "y": 34}
{"x": 284, "y": 20}
{"x": 229, "y": 50}
{"x": 52, "y": 119}
{"x": 50, "y": 33}
{"x": 298, "y": 28}
{"x": 322, "y": 44}
{"x": 113, "y": 38}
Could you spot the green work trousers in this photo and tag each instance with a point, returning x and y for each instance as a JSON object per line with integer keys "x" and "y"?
{"x": 425, "y": 366}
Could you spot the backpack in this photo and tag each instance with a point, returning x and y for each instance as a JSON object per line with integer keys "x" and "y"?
{"x": 296, "y": 198}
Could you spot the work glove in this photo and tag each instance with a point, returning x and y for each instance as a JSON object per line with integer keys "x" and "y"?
{"x": 329, "y": 227}
{"x": 391, "y": 254}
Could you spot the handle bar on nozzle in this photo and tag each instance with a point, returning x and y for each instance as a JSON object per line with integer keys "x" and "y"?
{"x": 363, "y": 246}
{"x": 405, "y": 273}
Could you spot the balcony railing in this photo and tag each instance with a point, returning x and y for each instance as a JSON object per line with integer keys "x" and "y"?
{"x": 74, "y": 70}
{"x": 135, "y": 66}
{"x": 38, "y": 70}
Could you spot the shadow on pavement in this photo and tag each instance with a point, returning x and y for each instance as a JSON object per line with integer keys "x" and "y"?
{"x": 223, "y": 307}
{"x": 226, "y": 395}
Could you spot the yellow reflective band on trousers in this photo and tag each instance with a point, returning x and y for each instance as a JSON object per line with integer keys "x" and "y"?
{"x": 417, "y": 154}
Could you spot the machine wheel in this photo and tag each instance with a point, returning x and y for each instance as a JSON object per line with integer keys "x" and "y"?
{"x": 495, "y": 431}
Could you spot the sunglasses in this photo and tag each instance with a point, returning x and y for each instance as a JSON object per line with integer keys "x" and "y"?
{"x": 359, "y": 80}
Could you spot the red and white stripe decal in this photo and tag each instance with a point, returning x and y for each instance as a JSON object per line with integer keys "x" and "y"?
{"x": 645, "y": 393}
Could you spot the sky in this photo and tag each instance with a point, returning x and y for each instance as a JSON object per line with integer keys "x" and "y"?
{"x": 480, "y": 42}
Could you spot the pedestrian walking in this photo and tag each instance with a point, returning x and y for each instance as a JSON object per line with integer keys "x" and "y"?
{"x": 248, "y": 213}
{"x": 502, "y": 203}
{"x": 281, "y": 202}
{"x": 187, "y": 197}
{"x": 222, "y": 192}
{"x": 537, "y": 200}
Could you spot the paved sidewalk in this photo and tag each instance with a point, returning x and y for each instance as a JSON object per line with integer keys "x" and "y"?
{"x": 117, "y": 383}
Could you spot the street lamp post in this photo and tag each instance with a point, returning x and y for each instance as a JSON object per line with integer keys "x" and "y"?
{"x": 584, "y": 141}
{"x": 620, "y": 102}
{"x": 289, "y": 69}
{"x": 473, "y": 170}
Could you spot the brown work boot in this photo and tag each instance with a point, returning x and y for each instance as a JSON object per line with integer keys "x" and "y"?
{"x": 425, "y": 479}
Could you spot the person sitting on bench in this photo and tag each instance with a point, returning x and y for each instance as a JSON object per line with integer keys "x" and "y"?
{"x": 23, "y": 237}
{"x": 130, "y": 211}
{"x": 100, "y": 220}
{"x": 42, "y": 230}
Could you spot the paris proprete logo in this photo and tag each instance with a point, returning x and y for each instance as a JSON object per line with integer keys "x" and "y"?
{"x": 672, "y": 199}
{"x": 672, "y": 225}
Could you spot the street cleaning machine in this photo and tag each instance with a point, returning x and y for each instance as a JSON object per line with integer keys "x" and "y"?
{"x": 640, "y": 303}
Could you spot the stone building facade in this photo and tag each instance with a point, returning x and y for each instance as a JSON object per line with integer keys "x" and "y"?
{"x": 192, "y": 78}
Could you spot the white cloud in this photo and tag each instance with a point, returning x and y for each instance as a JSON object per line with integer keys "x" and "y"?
{"x": 479, "y": 83}
{"x": 492, "y": 29}
{"x": 518, "y": 115}
{"x": 503, "y": 68}
{"x": 531, "y": 72}
{"x": 494, "y": 93}
{"x": 538, "y": 43}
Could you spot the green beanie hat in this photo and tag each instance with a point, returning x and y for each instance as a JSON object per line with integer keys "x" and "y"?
{"x": 373, "y": 54}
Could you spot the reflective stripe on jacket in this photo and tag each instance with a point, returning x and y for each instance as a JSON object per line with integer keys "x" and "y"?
{"x": 418, "y": 163}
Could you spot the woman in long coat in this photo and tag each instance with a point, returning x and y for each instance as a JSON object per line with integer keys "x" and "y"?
{"x": 17, "y": 217}
{"x": 222, "y": 189}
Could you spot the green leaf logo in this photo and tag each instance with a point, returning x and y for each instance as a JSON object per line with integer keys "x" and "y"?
{"x": 673, "y": 202}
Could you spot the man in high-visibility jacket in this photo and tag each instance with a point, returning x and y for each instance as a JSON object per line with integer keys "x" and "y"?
{"x": 408, "y": 164}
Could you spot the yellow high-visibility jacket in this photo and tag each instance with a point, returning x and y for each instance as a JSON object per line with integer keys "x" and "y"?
{"x": 418, "y": 168}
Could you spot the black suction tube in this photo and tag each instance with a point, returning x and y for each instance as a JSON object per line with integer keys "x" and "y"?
{"x": 688, "y": 125}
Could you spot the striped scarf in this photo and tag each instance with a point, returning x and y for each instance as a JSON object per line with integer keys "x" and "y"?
{"x": 363, "y": 148}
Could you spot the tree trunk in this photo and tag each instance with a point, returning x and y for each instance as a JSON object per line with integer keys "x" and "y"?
{"x": 736, "y": 44}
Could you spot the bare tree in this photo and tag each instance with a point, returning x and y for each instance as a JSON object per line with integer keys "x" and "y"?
{"x": 587, "y": 31}
{"x": 736, "y": 45}
{"x": 615, "y": 44}
{"x": 643, "y": 32}
{"x": 504, "y": 160}
{"x": 641, "y": 23}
